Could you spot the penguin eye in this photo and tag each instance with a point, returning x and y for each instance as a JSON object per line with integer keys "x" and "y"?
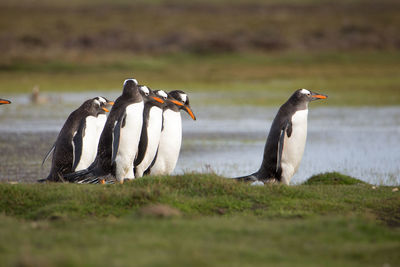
{"x": 146, "y": 94}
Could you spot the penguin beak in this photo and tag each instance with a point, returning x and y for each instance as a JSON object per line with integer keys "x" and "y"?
{"x": 158, "y": 99}
{"x": 110, "y": 103}
{"x": 4, "y": 101}
{"x": 176, "y": 102}
{"x": 316, "y": 96}
{"x": 190, "y": 112}
{"x": 106, "y": 110}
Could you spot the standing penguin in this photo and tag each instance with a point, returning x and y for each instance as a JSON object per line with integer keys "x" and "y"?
{"x": 76, "y": 144}
{"x": 171, "y": 134}
{"x": 4, "y": 101}
{"x": 286, "y": 140}
{"x": 151, "y": 130}
{"x": 119, "y": 140}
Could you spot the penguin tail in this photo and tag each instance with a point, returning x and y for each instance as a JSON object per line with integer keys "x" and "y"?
{"x": 42, "y": 180}
{"x": 247, "y": 179}
{"x": 47, "y": 179}
{"x": 80, "y": 177}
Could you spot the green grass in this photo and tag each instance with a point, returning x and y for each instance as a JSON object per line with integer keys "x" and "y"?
{"x": 200, "y": 220}
{"x": 332, "y": 178}
{"x": 363, "y": 78}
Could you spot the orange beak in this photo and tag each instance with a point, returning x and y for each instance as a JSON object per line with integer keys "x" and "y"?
{"x": 111, "y": 103}
{"x": 3, "y": 101}
{"x": 320, "y": 96}
{"x": 176, "y": 102}
{"x": 106, "y": 110}
{"x": 189, "y": 111}
{"x": 158, "y": 99}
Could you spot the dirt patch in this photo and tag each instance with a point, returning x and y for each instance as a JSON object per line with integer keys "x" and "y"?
{"x": 159, "y": 211}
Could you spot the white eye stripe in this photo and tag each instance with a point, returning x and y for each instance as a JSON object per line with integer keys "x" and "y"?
{"x": 305, "y": 91}
{"x": 183, "y": 97}
{"x": 101, "y": 99}
{"x": 162, "y": 93}
{"x": 134, "y": 80}
{"x": 145, "y": 89}
{"x": 97, "y": 102}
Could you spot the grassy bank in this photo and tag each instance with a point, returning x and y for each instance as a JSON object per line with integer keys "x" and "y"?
{"x": 201, "y": 220}
{"x": 363, "y": 78}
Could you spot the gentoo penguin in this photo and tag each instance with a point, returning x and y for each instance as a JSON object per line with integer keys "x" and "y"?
{"x": 76, "y": 144}
{"x": 87, "y": 140}
{"x": 286, "y": 140}
{"x": 4, "y": 101}
{"x": 171, "y": 134}
{"x": 151, "y": 129}
{"x": 119, "y": 140}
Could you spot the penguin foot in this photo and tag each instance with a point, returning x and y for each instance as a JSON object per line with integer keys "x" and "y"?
{"x": 257, "y": 183}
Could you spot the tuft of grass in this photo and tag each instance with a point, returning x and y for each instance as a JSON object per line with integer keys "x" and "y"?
{"x": 332, "y": 178}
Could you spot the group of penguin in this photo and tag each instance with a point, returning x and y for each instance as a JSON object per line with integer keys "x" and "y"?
{"x": 141, "y": 135}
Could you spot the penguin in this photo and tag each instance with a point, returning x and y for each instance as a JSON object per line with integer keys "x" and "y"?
{"x": 171, "y": 134}
{"x": 4, "y": 101}
{"x": 151, "y": 129}
{"x": 286, "y": 140}
{"x": 76, "y": 144}
{"x": 93, "y": 126}
{"x": 119, "y": 140}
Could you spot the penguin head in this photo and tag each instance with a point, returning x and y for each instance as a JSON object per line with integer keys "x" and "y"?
{"x": 149, "y": 96}
{"x": 4, "y": 101}
{"x": 130, "y": 88}
{"x": 105, "y": 102}
{"x": 97, "y": 105}
{"x": 181, "y": 99}
{"x": 305, "y": 96}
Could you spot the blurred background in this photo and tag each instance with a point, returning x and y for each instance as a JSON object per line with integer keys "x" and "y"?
{"x": 238, "y": 61}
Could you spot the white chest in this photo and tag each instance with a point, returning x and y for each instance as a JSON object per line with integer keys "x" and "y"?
{"x": 131, "y": 130}
{"x": 170, "y": 143}
{"x": 129, "y": 137}
{"x": 293, "y": 146}
{"x": 153, "y": 139}
{"x": 93, "y": 129}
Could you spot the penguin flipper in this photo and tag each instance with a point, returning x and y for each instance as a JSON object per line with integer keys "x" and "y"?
{"x": 77, "y": 141}
{"x": 142, "y": 146}
{"x": 287, "y": 128}
{"x": 116, "y": 135}
{"x": 49, "y": 153}
{"x": 148, "y": 170}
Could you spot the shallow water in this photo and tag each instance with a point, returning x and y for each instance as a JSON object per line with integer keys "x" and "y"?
{"x": 229, "y": 140}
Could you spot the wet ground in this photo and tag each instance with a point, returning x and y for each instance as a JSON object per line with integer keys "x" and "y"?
{"x": 363, "y": 142}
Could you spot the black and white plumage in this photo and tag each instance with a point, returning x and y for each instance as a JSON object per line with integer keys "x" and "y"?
{"x": 151, "y": 129}
{"x": 119, "y": 140}
{"x": 76, "y": 144}
{"x": 171, "y": 134}
{"x": 4, "y": 101}
{"x": 286, "y": 140}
